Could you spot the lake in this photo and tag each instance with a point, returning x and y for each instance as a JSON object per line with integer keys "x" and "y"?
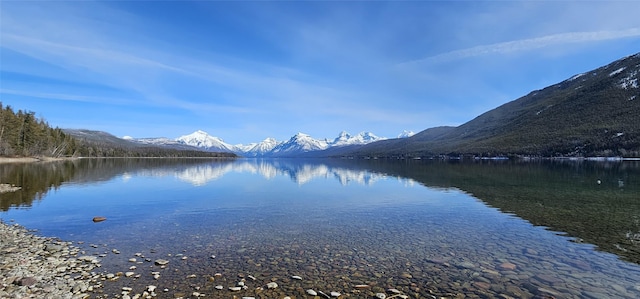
{"x": 426, "y": 229}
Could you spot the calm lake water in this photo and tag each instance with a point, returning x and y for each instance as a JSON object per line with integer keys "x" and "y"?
{"x": 481, "y": 229}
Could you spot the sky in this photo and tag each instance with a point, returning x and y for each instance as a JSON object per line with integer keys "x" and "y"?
{"x": 247, "y": 70}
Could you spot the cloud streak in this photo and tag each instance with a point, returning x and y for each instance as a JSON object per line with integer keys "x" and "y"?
{"x": 270, "y": 69}
{"x": 526, "y": 45}
{"x": 64, "y": 96}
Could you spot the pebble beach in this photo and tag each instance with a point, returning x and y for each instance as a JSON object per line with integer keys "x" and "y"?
{"x": 40, "y": 267}
{"x": 37, "y": 267}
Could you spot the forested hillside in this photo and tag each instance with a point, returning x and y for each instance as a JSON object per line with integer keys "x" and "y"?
{"x": 22, "y": 134}
{"x": 590, "y": 114}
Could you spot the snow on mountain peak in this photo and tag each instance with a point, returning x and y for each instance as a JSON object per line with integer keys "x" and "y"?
{"x": 406, "y": 134}
{"x": 298, "y": 143}
{"x": 344, "y": 134}
{"x": 261, "y": 148}
{"x": 345, "y": 139}
{"x": 301, "y": 135}
{"x": 202, "y": 139}
{"x": 369, "y": 137}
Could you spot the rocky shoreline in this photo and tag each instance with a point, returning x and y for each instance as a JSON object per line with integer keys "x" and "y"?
{"x": 38, "y": 267}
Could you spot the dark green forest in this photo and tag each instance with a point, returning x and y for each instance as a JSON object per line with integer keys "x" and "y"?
{"x": 22, "y": 134}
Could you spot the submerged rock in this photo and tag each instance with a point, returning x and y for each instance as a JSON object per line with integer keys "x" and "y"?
{"x": 99, "y": 219}
{"x": 506, "y": 266}
{"x": 272, "y": 285}
{"x": 466, "y": 265}
{"x": 161, "y": 262}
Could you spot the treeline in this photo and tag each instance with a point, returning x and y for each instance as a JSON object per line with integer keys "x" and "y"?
{"x": 22, "y": 134}
{"x": 106, "y": 150}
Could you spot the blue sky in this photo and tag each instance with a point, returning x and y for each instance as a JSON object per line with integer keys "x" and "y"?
{"x": 245, "y": 71}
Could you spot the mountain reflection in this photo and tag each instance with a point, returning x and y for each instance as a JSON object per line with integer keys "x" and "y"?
{"x": 300, "y": 173}
{"x": 36, "y": 179}
{"x": 593, "y": 202}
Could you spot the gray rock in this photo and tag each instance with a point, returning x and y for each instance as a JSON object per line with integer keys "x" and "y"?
{"x": 466, "y": 265}
{"x": 26, "y": 281}
{"x": 161, "y": 262}
{"x": 51, "y": 248}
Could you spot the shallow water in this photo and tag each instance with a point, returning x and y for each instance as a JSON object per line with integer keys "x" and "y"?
{"x": 422, "y": 227}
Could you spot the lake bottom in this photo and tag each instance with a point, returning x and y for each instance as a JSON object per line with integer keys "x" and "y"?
{"x": 277, "y": 229}
{"x": 416, "y": 250}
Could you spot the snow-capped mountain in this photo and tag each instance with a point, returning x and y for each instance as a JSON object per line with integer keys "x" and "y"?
{"x": 299, "y": 143}
{"x": 161, "y": 142}
{"x": 362, "y": 138}
{"x": 261, "y": 148}
{"x": 154, "y": 141}
{"x": 406, "y": 134}
{"x": 205, "y": 141}
{"x": 245, "y": 147}
{"x": 270, "y": 147}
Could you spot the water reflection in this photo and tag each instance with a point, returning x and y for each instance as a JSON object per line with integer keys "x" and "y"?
{"x": 300, "y": 173}
{"x": 593, "y": 202}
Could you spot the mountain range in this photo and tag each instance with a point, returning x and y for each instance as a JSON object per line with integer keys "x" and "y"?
{"x": 589, "y": 114}
{"x": 299, "y": 144}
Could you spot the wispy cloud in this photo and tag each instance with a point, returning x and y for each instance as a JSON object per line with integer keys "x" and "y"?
{"x": 63, "y": 96}
{"x": 271, "y": 68}
{"x": 527, "y": 44}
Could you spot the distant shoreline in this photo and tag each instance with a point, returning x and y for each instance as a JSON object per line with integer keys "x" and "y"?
{"x": 4, "y": 160}
{"x": 8, "y": 160}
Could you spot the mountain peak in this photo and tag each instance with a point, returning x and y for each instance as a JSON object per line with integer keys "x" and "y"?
{"x": 345, "y": 139}
{"x": 300, "y": 134}
{"x": 406, "y": 134}
{"x": 200, "y": 133}
{"x": 297, "y": 144}
{"x": 202, "y": 139}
